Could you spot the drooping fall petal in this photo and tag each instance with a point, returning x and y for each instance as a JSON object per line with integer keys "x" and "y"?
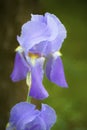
{"x": 37, "y": 89}
{"x": 55, "y": 71}
{"x": 20, "y": 68}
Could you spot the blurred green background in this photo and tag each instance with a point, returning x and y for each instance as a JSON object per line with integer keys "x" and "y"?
{"x": 70, "y": 104}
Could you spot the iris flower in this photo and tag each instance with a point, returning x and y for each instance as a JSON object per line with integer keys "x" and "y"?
{"x": 25, "y": 116}
{"x": 39, "y": 43}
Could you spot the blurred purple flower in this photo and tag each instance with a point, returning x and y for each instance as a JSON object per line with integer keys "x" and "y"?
{"x": 25, "y": 116}
{"x": 41, "y": 38}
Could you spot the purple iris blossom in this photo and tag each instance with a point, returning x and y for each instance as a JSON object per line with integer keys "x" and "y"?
{"x": 25, "y": 116}
{"x": 43, "y": 34}
{"x": 40, "y": 40}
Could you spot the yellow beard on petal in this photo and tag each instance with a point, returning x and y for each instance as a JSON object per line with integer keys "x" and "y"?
{"x": 33, "y": 56}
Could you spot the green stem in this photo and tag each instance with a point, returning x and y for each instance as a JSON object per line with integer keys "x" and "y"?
{"x": 28, "y": 82}
{"x": 28, "y": 98}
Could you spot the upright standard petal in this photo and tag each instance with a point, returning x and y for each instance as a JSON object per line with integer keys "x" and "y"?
{"x": 57, "y": 30}
{"x": 20, "y": 68}
{"x": 52, "y": 25}
{"x": 33, "y": 32}
{"x": 49, "y": 116}
{"x": 56, "y": 36}
{"x": 37, "y": 89}
{"x": 55, "y": 71}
